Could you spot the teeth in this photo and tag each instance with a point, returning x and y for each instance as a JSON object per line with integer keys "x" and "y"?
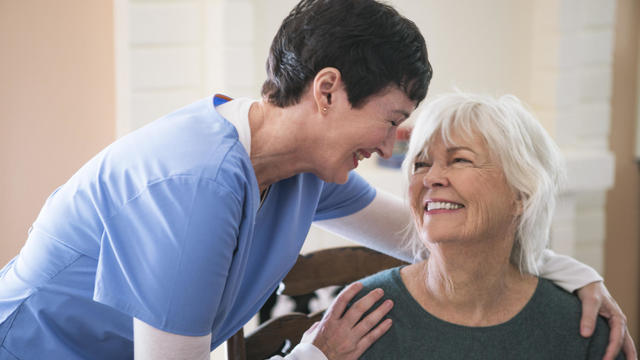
{"x": 437, "y": 205}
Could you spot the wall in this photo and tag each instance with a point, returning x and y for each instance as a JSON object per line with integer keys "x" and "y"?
{"x": 179, "y": 50}
{"x": 623, "y": 200}
{"x": 467, "y": 42}
{"x": 174, "y": 52}
{"x": 56, "y": 102}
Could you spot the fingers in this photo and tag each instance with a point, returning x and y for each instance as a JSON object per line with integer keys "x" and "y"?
{"x": 616, "y": 337}
{"x": 367, "y": 328}
{"x": 342, "y": 300}
{"x": 366, "y": 324}
{"x": 591, "y": 297}
{"x": 590, "y": 308}
{"x": 596, "y": 300}
{"x": 346, "y": 335}
{"x": 360, "y": 307}
{"x": 372, "y": 336}
{"x": 629, "y": 348}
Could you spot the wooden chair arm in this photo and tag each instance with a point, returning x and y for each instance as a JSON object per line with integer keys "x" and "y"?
{"x": 270, "y": 337}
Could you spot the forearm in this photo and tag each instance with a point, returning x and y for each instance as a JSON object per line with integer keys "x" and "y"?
{"x": 151, "y": 343}
{"x": 566, "y": 272}
{"x": 381, "y": 225}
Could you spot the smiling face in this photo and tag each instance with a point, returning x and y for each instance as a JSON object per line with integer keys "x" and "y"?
{"x": 350, "y": 134}
{"x": 459, "y": 193}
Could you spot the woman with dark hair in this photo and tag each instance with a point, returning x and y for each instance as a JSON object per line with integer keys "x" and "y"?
{"x": 170, "y": 239}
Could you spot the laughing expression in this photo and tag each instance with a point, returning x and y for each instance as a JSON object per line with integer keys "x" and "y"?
{"x": 459, "y": 192}
{"x": 353, "y": 135}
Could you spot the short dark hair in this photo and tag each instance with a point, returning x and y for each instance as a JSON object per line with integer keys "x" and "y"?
{"x": 369, "y": 42}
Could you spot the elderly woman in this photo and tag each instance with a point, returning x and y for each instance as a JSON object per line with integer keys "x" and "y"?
{"x": 483, "y": 177}
{"x": 170, "y": 239}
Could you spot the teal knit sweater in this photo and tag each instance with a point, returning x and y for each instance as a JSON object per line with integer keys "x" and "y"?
{"x": 546, "y": 328}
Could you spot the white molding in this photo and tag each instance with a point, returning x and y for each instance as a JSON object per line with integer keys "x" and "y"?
{"x": 122, "y": 66}
{"x": 589, "y": 171}
{"x": 212, "y": 51}
{"x": 573, "y": 50}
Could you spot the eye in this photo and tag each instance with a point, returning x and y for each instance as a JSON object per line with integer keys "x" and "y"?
{"x": 420, "y": 164}
{"x": 461, "y": 160}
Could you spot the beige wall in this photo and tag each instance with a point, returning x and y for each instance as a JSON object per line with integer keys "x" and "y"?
{"x": 56, "y": 102}
{"x": 623, "y": 201}
{"x": 468, "y": 45}
{"x": 57, "y": 110}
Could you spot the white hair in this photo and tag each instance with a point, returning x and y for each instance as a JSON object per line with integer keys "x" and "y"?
{"x": 531, "y": 161}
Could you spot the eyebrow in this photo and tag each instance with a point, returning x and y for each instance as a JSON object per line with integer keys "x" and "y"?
{"x": 421, "y": 153}
{"x": 401, "y": 112}
{"x": 456, "y": 148}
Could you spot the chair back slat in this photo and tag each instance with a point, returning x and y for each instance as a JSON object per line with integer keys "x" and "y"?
{"x": 336, "y": 266}
{"x": 236, "y": 346}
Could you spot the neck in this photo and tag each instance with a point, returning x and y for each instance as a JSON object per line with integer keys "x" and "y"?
{"x": 276, "y": 138}
{"x": 473, "y": 285}
{"x": 466, "y": 281}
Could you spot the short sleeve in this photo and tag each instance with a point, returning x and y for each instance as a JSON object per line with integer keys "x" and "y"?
{"x": 338, "y": 200}
{"x": 165, "y": 255}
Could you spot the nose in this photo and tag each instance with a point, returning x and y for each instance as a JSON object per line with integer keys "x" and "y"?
{"x": 436, "y": 176}
{"x": 386, "y": 149}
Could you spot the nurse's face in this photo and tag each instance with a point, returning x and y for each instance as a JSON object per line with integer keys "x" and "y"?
{"x": 353, "y": 135}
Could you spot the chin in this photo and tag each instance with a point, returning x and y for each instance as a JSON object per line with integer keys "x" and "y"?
{"x": 335, "y": 178}
{"x": 337, "y": 174}
{"x": 340, "y": 179}
{"x": 437, "y": 237}
{"x": 343, "y": 180}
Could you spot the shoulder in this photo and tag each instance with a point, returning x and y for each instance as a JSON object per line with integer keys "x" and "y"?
{"x": 185, "y": 140}
{"x": 385, "y": 280}
{"x": 388, "y": 280}
{"x": 338, "y": 200}
{"x": 557, "y": 306}
{"x": 558, "y": 309}
{"x": 354, "y": 182}
{"x": 381, "y": 278}
{"x": 193, "y": 142}
{"x": 550, "y": 294}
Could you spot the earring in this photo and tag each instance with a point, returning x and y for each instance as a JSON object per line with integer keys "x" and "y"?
{"x": 324, "y": 109}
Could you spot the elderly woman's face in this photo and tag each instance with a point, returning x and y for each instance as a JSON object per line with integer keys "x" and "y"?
{"x": 459, "y": 193}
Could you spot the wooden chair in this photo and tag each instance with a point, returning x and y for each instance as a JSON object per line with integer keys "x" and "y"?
{"x": 337, "y": 266}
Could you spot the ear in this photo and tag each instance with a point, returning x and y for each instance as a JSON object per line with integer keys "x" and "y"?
{"x": 519, "y": 204}
{"x": 326, "y": 82}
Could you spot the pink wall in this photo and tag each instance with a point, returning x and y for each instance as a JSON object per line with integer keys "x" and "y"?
{"x": 57, "y": 102}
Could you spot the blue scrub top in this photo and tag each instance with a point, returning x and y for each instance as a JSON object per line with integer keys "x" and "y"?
{"x": 163, "y": 225}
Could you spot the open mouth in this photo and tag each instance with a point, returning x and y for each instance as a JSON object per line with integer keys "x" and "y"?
{"x": 442, "y": 205}
{"x": 359, "y": 156}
